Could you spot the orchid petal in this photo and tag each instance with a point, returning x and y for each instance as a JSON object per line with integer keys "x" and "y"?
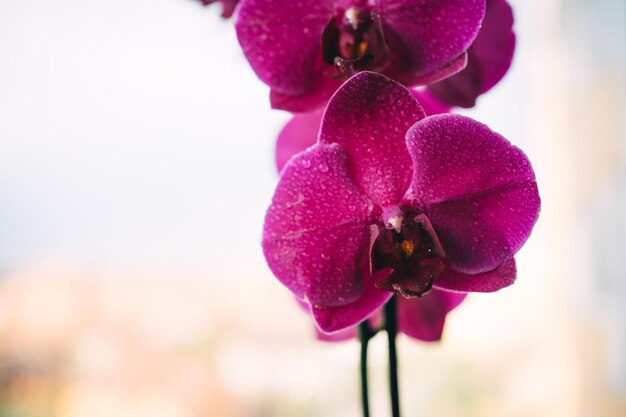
{"x": 406, "y": 77}
{"x": 313, "y": 99}
{"x": 298, "y": 134}
{"x": 281, "y": 40}
{"x": 423, "y": 318}
{"x": 477, "y": 190}
{"x": 340, "y": 336}
{"x": 429, "y": 102}
{"x": 434, "y": 32}
{"x": 317, "y": 229}
{"x": 489, "y": 58}
{"x": 369, "y": 116}
{"x": 334, "y": 319}
{"x": 489, "y": 281}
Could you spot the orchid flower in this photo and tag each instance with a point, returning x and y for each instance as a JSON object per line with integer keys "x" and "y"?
{"x": 305, "y": 49}
{"x": 390, "y": 201}
{"x": 421, "y": 318}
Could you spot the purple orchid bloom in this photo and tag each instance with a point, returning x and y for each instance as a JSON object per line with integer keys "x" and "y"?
{"x": 421, "y": 318}
{"x": 488, "y": 60}
{"x": 388, "y": 201}
{"x": 305, "y": 49}
{"x": 228, "y": 6}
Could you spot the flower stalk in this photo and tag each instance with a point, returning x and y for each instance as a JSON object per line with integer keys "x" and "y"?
{"x": 391, "y": 326}
{"x": 365, "y": 334}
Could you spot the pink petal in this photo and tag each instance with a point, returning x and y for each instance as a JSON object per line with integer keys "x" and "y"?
{"x": 375, "y": 321}
{"x": 429, "y": 102}
{"x": 316, "y": 234}
{"x": 340, "y": 336}
{"x": 281, "y": 39}
{"x": 477, "y": 190}
{"x": 434, "y": 32}
{"x": 424, "y": 318}
{"x": 406, "y": 77}
{"x": 489, "y": 281}
{"x": 334, "y": 319}
{"x": 298, "y": 134}
{"x": 489, "y": 58}
{"x": 312, "y": 99}
{"x": 369, "y": 116}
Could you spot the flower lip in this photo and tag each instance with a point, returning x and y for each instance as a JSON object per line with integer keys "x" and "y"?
{"x": 353, "y": 41}
{"x": 412, "y": 249}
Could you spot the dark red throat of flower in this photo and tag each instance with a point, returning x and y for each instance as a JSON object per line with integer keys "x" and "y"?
{"x": 353, "y": 41}
{"x": 414, "y": 254}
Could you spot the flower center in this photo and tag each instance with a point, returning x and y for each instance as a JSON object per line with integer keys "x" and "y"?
{"x": 353, "y": 41}
{"x": 411, "y": 248}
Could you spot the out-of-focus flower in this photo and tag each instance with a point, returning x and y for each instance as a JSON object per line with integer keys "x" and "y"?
{"x": 305, "y": 49}
{"x": 228, "y": 6}
{"x": 389, "y": 201}
{"x": 488, "y": 59}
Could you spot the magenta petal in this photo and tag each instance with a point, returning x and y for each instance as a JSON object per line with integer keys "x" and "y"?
{"x": 477, "y": 190}
{"x": 424, "y": 318}
{"x": 489, "y": 58}
{"x": 281, "y": 40}
{"x": 298, "y": 134}
{"x": 334, "y": 319}
{"x": 369, "y": 116}
{"x": 340, "y": 336}
{"x": 317, "y": 231}
{"x": 489, "y": 281}
{"x": 429, "y": 102}
{"x": 434, "y": 32}
{"x": 314, "y": 98}
{"x": 419, "y": 79}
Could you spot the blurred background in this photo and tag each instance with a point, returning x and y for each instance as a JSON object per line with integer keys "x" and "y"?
{"x": 136, "y": 163}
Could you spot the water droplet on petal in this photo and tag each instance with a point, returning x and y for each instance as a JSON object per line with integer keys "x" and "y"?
{"x": 323, "y": 167}
{"x": 325, "y": 256}
{"x": 306, "y": 163}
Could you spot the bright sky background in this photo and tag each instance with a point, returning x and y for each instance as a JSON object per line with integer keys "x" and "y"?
{"x": 134, "y": 132}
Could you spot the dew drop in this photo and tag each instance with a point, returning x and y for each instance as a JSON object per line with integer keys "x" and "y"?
{"x": 323, "y": 167}
{"x": 306, "y": 163}
{"x": 325, "y": 256}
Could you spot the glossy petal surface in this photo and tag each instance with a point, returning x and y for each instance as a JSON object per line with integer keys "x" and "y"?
{"x": 298, "y": 134}
{"x": 281, "y": 40}
{"x": 434, "y": 32}
{"x": 478, "y": 190}
{"x": 317, "y": 231}
{"x": 369, "y": 117}
{"x": 489, "y": 58}
{"x": 424, "y": 318}
{"x": 489, "y": 281}
{"x": 333, "y": 319}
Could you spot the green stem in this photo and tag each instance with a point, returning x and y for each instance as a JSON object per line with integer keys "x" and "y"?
{"x": 391, "y": 326}
{"x": 365, "y": 334}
